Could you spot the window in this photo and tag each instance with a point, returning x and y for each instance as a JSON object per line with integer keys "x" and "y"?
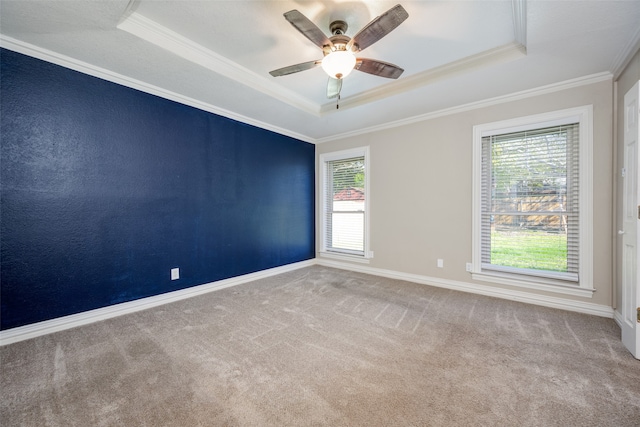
{"x": 344, "y": 193}
{"x": 532, "y": 202}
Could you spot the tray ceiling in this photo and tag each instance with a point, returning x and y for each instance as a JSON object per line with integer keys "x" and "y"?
{"x": 217, "y": 55}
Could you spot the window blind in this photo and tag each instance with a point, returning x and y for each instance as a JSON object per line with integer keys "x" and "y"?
{"x": 530, "y": 202}
{"x": 345, "y": 205}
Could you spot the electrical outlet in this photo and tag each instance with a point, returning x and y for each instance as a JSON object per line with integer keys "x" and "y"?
{"x": 175, "y": 273}
{"x": 469, "y": 267}
{"x": 440, "y": 263}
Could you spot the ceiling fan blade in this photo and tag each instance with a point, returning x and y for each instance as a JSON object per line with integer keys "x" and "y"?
{"x": 307, "y": 28}
{"x": 378, "y": 68}
{"x": 379, "y": 27}
{"x": 295, "y": 68}
{"x": 333, "y": 87}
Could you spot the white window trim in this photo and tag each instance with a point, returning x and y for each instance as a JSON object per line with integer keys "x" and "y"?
{"x": 584, "y": 116}
{"x": 339, "y": 155}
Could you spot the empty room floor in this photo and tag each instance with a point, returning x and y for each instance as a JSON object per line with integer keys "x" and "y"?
{"x": 320, "y": 346}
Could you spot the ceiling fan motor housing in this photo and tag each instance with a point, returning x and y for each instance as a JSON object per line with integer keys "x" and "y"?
{"x": 339, "y": 43}
{"x": 338, "y": 27}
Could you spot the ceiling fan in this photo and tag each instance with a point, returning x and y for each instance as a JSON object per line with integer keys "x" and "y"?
{"x": 339, "y": 50}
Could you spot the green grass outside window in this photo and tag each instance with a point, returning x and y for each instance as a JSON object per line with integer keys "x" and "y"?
{"x": 538, "y": 250}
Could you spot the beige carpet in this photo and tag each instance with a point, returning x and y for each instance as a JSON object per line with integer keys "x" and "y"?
{"x": 320, "y": 346}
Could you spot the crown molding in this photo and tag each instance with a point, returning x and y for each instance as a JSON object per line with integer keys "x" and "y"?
{"x": 104, "y": 74}
{"x": 623, "y": 58}
{"x": 529, "y": 93}
{"x": 92, "y": 70}
{"x": 152, "y": 32}
{"x": 505, "y": 53}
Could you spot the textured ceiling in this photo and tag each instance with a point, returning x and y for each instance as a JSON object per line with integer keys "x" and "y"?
{"x": 217, "y": 55}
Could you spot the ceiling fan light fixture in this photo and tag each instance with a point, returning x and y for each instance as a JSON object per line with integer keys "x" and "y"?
{"x": 338, "y": 64}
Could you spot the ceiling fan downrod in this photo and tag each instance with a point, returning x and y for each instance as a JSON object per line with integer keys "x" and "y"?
{"x": 338, "y": 27}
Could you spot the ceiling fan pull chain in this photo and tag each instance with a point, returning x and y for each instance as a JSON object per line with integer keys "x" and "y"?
{"x": 338, "y": 102}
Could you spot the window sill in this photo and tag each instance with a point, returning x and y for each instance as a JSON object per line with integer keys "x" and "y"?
{"x": 534, "y": 283}
{"x": 345, "y": 257}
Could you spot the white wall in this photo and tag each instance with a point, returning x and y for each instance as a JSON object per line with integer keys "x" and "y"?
{"x": 429, "y": 164}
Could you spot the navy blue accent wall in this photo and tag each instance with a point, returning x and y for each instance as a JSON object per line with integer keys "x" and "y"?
{"x": 104, "y": 189}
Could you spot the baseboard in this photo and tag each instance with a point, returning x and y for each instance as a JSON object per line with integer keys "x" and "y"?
{"x": 513, "y": 295}
{"x": 33, "y": 330}
{"x": 22, "y": 333}
{"x": 617, "y": 316}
